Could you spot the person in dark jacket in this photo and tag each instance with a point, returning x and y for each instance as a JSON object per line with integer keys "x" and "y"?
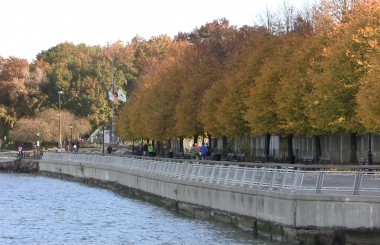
{"x": 109, "y": 149}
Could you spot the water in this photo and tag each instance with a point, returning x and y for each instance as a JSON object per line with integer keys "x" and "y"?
{"x": 41, "y": 210}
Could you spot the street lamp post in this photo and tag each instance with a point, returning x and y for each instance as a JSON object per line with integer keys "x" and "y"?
{"x": 113, "y": 104}
{"x": 112, "y": 135}
{"x": 59, "y": 121}
{"x": 71, "y": 138}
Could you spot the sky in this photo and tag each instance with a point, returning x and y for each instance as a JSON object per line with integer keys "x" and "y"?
{"x": 29, "y": 27}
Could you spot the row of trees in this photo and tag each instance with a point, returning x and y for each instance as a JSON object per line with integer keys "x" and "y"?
{"x": 82, "y": 73}
{"x": 318, "y": 77}
{"x": 315, "y": 72}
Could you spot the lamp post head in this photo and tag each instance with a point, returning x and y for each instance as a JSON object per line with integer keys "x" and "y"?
{"x": 71, "y": 126}
{"x": 60, "y": 92}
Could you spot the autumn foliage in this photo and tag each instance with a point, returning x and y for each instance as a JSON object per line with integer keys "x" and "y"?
{"x": 45, "y": 127}
{"x": 315, "y": 72}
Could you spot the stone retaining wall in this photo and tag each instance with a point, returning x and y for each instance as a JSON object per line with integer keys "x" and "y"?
{"x": 311, "y": 218}
{"x": 19, "y": 166}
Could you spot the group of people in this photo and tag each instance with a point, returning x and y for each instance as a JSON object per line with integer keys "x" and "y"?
{"x": 145, "y": 150}
{"x": 73, "y": 145}
{"x": 200, "y": 152}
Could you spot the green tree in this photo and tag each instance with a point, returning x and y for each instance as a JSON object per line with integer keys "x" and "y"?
{"x": 81, "y": 73}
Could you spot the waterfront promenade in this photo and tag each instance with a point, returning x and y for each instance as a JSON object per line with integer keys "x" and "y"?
{"x": 301, "y": 202}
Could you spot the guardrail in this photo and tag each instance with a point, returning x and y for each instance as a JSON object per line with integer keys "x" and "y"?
{"x": 9, "y": 155}
{"x": 21, "y": 155}
{"x": 357, "y": 180}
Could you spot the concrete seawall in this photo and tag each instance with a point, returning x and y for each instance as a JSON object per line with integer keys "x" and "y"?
{"x": 19, "y": 166}
{"x": 309, "y": 218}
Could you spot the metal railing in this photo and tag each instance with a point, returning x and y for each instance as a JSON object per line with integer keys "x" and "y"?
{"x": 13, "y": 155}
{"x": 9, "y": 155}
{"x": 280, "y": 177}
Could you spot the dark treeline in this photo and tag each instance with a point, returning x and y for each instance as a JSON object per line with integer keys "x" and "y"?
{"x": 307, "y": 73}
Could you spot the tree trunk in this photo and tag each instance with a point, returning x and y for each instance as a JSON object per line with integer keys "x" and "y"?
{"x": 157, "y": 148}
{"x": 181, "y": 144}
{"x": 318, "y": 148}
{"x": 169, "y": 145}
{"x": 291, "y": 157}
{"x": 369, "y": 149}
{"x": 195, "y": 139}
{"x": 160, "y": 148}
{"x": 224, "y": 140}
{"x": 354, "y": 147}
{"x": 266, "y": 150}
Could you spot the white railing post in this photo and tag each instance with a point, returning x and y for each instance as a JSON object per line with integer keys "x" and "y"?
{"x": 295, "y": 180}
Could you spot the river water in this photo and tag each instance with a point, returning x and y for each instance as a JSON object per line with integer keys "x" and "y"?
{"x": 41, "y": 210}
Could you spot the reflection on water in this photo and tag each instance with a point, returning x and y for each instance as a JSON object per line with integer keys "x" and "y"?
{"x": 40, "y": 210}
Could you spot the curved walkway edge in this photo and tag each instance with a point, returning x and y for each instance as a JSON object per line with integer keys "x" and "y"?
{"x": 308, "y": 217}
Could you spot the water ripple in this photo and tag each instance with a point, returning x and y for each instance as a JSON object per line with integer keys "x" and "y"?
{"x": 40, "y": 210}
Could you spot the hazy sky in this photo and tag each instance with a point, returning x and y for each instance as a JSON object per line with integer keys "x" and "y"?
{"x": 31, "y": 26}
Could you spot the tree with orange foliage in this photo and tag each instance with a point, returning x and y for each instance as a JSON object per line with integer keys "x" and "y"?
{"x": 45, "y": 124}
{"x": 21, "y": 93}
{"x": 212, "y": 45}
